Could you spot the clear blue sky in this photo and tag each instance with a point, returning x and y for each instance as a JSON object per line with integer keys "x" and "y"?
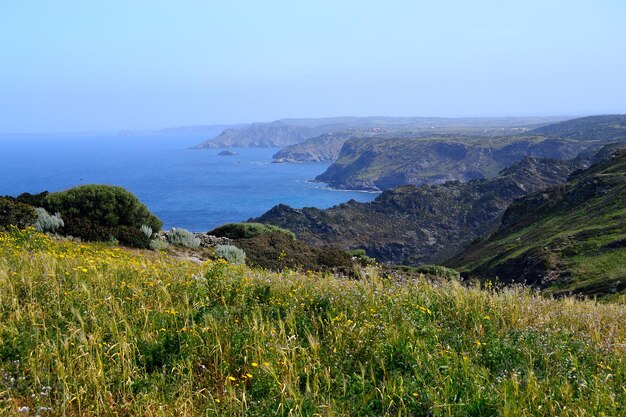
{"x": 108, "y": 65}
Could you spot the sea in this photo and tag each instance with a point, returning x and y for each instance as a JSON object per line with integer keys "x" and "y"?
{"x": 195, "y": 189}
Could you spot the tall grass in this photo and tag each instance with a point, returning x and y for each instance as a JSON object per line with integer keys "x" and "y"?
{"x": 92, "y": 330}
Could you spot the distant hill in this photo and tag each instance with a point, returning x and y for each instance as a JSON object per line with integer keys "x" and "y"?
{"x": 568, "y": 239}
{"x": 319, "y": 149}
{"x": 385, "y": 162}
{"x": 327, "y": 147}
{"x": 592, "y": 128}
{"x": 276, "y": 134}
{"x": 411, "y": 225}
{"x": 285, "y": 132}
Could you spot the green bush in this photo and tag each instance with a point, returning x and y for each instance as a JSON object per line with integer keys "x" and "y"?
{"x": 102, "y": 205}
{"x": 361, "y": 257}
{"x": 35, "y": 200}
{"x": 247, "y": 230}
{"x": 86, "y": 229}
{"x": 232, "y": 254}
{"x": 182, "y": 237}
{"x": 46, "y": 222}
{"x": 131, "y": 236}
{"x": 16, "y": 213}
{"x": 438, "y": 270}
{"x": 357, "y": 253}
{"x": 277, "y": 251}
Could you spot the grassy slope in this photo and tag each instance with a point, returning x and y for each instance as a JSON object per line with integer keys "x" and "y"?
{"x": 574, "y": 228}
{"x": 90, "y": 330}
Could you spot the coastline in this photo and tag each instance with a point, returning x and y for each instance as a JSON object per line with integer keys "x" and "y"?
{"x": 330, "y": 188}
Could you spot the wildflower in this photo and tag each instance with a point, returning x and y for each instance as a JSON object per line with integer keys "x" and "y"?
{"x": 232, "y": 378}
{"x": 254, "y": 364}
{"x": 249, "y": 376}
{"x": 415, "y": 394}
{"x": 477, "y": 343}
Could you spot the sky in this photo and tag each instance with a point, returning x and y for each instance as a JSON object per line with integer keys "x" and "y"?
{"x": 77, "y": 66}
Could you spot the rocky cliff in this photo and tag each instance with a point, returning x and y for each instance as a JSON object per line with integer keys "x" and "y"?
{"x": 412, "y": 225}
{"x": 319, "y": 149}
{"x": 381, "y": 163}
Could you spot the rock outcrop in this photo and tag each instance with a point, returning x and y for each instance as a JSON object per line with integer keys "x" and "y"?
{"x": 412, "y": 225}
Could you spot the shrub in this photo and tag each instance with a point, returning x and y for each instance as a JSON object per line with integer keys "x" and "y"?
{"x": 232, "y": 254}
{"x": 333, "y": 257}
{"x": 357, "y": 253}
{"x": 131, "y": 236}
{"x": 16, "y": 213}
{"x": 158, "y": 244}
{"x": 361, "y": 256}
{"x": 182, "y": 237}
{"x": 277, "y": 251}
{"x": 438, "y": 270}
{"x": 435, "y": 270}
{"x": 248, "y": 230}
{"x": 47, "y": 223}
{"x": 103, "y": 205}
{"x": 146, "y": 230}
{"x": 86, "y": 229}
{"x": 35, "y": 200}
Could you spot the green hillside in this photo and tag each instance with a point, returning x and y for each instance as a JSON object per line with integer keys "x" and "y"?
{"x": 94, "y": 330}
{"x": 570, "y": 238}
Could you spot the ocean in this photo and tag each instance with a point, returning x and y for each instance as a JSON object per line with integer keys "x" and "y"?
{"x": 191, "y": 188}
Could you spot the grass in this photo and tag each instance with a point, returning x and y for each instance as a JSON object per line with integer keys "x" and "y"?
{"x": 92, "y": 330}
{"x": 578, "y": 237}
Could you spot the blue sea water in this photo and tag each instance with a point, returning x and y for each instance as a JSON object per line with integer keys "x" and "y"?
{"x": 194, "y": 189}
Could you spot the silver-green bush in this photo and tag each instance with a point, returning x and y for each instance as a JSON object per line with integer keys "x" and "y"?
{"x": 232, "y": 254}
{"x": 146, "y": 230}
{"x": 46, "y": 222}
{"x": 183, "y": 237}
{"x": 158, "y": 244}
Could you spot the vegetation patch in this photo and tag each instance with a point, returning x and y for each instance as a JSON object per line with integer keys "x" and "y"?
{"x": 91, "y": 330}
{"x": 14, "y": 213}
{"x": 279, "y": 251}
{"x": 247, "y": 230}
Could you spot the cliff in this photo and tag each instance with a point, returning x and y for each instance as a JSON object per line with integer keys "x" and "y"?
{"x": 382, "y": 163}
{"x": 411, "y": 225}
